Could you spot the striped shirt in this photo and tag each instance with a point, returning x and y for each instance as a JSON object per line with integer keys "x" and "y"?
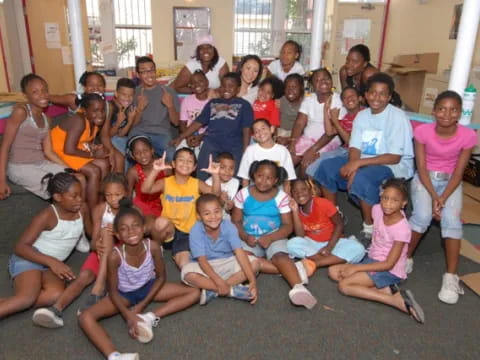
{"x": 131, "y": 278}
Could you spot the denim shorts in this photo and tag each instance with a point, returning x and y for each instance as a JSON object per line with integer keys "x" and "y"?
{"x": 348, "y": 249}
{"x": 450, "y": 221}
{"x": 180, "y": 242}
{"x": 381, "y": 279}
{"x": 278, "y": 246}
{"x": 134, "y": 297}
{"x": 365, "y": 185}
{"x": 18, "y": 265}
{"x": 313, "y": 167}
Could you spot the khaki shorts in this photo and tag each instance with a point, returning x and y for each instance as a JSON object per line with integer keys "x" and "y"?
{"x": 30, "y": 176}
{"x": 225, "y": 267}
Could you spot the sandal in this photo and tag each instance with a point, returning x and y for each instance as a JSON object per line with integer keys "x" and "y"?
{"x": 413, "y": 308}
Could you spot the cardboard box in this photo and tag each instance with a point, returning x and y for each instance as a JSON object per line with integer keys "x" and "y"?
{"x": 408, "y": 72}
{"x": 433, "y": 86}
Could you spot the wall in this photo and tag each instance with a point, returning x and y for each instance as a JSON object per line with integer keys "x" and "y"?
{"x": 48, "y": 62}
{"x": 418, "y": 28}
{"x": 221, "y": 12}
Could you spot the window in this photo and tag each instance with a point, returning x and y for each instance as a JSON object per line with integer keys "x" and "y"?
{"x": 132, "y": 23}
{"x": 261, "y": 26}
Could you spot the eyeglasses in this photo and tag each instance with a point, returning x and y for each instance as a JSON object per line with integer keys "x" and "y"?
{"x": 147, "y": 71}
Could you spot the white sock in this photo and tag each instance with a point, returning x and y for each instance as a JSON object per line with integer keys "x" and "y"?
{"x": 368, "y": 228}
{"x": 113, "y": 355}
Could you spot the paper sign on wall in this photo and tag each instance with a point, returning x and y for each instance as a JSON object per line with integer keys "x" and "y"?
{"x": 355, "y": 31}
{"x": 52, "y": 35}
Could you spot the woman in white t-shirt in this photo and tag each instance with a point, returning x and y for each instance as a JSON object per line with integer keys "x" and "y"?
{"x": 308, "y": 133}
{"x": 206, "y": 59}
{"x": 250, "y": 70}
{"x": 287, "y": 63}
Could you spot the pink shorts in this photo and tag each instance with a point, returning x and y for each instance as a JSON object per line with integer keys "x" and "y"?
{"x": 92, "y": 263}
{"x": 306, "y": 142}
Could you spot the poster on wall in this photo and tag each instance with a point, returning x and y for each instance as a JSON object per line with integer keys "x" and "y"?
{"x": 52, "y": 35}
{"x": 190, "y": 23}
{"x": 355, "y": 31}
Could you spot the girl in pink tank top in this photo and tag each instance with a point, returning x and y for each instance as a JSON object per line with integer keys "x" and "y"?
{"x": 136, "y": 277}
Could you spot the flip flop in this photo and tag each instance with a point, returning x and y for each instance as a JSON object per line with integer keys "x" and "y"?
{"x": 413, "y": 308}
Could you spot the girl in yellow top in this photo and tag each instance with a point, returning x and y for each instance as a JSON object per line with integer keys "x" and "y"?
{"x": 179, "y": 194}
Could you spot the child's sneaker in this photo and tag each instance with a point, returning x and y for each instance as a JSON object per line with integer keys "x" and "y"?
{"x": 450, "y": 289}
{"x": 241, "y": 292}
{"x": 302, "y": 272}
{"x": 89, "y": 301}
{"x": 48, "y": 317}
{"x": 309, "y": 266}
{"x": 144, "y": 328}
{"x": 409, "y": 265}
{"x": 125, "y": 356}
{"x": 300, "y": 296}
{"x": 206, "y": 296}
{"x": 83, "y": 245}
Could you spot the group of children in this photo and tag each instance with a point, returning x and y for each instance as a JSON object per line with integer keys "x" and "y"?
{"x": 242, "y": 207}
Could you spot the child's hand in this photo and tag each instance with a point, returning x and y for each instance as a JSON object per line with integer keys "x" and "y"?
{"x": 142, "y": 101}
{"x": 348, "y": 270}
{"x": 326, "y": 251}
{"x": 132, "y": 321}
{"x": 283, "y": 140}
{"x": 263, "y": 242}
{"x": 223, "y": 288}
{"x": 334, "y": 114}
{"x": 160, "y": 164}
{"x": 228, "y": 205}
{"x": 167, "y": 100}
{"x": 131, "y": 113}
{"x": 310, "y": 156}
{"x": 254, "y": 292}
{"x": 251, "y": 241}
{"x": 293, "y": 205}
{"x": 213, "y": 167}
{"x": 121, "y": 115}
{"x": 61, "y": 270}
{"x": 349, "y": 168}
{"x": 437, "y": 206}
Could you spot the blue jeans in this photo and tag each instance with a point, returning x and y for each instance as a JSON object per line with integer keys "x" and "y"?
{"x": 159, "y": 141}
{"x": 365, "y": 185}
{"x": 450, "y": 222}
{"x": 120, "y": 143}
{"x": 313, "y": 167}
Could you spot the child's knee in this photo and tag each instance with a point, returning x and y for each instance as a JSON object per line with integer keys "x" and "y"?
{"x": 333, "y": 273}
{"x": 24, "y": 302}
{"x": 255, "y": 266}
{"x": 86, "y": 277}
{"x": 344, "y": 287}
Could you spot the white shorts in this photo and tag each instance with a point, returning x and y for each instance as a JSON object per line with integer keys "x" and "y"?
{"x": 225, "y": 267}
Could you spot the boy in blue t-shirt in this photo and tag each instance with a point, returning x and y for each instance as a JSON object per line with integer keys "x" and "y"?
{"x": 380, "y": 147}
{"x": 220, "y": 262}
{"x": 229, "y": 120}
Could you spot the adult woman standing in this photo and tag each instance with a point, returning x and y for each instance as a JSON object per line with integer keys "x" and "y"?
{"x": 250, "y": 70}
{"x": 206, "y": 59}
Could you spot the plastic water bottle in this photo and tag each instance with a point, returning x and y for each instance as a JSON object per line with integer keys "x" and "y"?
{"x": 468, "y": 104}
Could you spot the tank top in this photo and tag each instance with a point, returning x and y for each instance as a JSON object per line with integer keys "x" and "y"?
{"x": 107, "y": 217}
{"x": 27, "y": 147}
{"x": 178, "y": 201}
{"x": 131, "y": 278}
{"x": 60, "y": 241}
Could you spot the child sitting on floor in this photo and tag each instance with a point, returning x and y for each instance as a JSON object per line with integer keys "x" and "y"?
{"x": 377, "y": 275}
{"x": 136, "y": 277}
{"x": 220, "y": 265}
{"x": 319, "y": 227}
{"x": 264, "y": 221}
{"x": 37, "y": 266}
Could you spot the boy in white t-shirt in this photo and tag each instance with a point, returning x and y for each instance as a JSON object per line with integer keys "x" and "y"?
{"x": 228, "y": 184}
{"x": 266, "y": 148}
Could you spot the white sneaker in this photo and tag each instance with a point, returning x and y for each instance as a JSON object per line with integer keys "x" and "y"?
{"x": 302, "y": 272}
{"x": 144, "y": 328}
{"x": 450, "y": 289}
{"x": 409, "y": 265}
{"x": 300, "y": 296}
{"x": 48, "y": 317}
{"x": 83, "y": 245}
